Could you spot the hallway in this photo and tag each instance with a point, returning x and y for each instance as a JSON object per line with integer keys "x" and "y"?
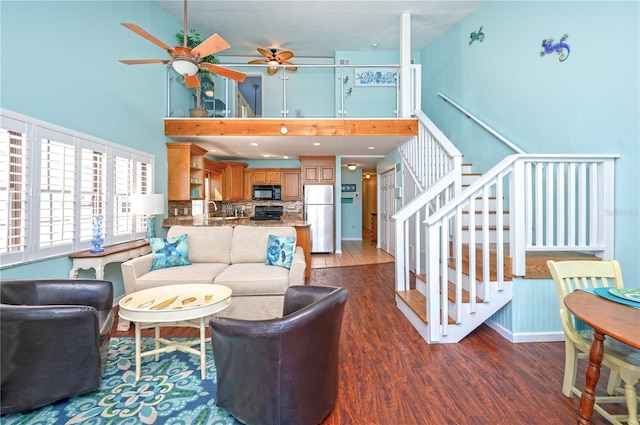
{"x": 354, "y": 253}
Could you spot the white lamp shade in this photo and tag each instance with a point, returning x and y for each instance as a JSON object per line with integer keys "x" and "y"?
{"x": 185, "y": 67}
{"x": 148, "y": 204}
{"x": 352, "y": 166}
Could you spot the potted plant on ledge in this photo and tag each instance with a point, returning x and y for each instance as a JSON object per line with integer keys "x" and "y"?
{"x": 204, "y": 76}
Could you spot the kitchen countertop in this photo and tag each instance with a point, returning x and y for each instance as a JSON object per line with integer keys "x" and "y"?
{"x": 231, "y": 221}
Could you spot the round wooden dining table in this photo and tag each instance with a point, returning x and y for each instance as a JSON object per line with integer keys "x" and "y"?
{"x": 608, "y": 318}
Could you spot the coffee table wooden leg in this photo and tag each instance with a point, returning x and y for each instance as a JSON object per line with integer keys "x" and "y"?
{"x": 138, "y": 350}
{"x": 203, "y": 358}
{"x": 593, "y": 374}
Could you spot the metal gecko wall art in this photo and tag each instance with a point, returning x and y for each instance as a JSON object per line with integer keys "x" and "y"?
{"x": 561, "y": 48}
{"x": 479, "y": 35}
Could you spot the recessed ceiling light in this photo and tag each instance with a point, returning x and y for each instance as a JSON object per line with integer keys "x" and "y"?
{"x": 374, "y": 45}
{"x": 285, "y": 157}
{"x": 254, "y": 144}
{"x": 316, "y": 143}
{"x": 266, "y": 155}
{"x": 371, "y": 148}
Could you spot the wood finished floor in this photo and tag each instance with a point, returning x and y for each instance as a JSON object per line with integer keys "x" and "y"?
{"x": 390, "y": 375}
{"x": 354, "y": 253}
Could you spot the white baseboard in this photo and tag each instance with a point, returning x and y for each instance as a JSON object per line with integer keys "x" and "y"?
{"x": 525, "y": 336}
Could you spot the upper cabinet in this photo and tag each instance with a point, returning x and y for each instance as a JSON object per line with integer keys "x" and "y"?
{"x": 266, "y": 176}
{"x": 318, "y": 169}
{"x": 185, "y": 171}
{"x": 213, "y": 173}
{"x": 291, "y": 185}
{"x": 233, "y": 181}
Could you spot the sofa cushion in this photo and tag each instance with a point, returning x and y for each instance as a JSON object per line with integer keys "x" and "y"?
{"x": 206, "y": 244}
{"x": 195, "y": 273}
{"x": 249, "y": 243}
{"x": 254, "y": 279}
{"x": 280, "y": 251}
{"x": 169, "y": 252}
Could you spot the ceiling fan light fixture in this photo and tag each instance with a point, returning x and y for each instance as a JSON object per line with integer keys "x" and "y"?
{"x": 351, "y": 166}
{"x": 185, "y": 66}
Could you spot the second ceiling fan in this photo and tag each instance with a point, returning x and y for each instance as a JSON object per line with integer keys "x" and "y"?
{"x": 274, "y": 59}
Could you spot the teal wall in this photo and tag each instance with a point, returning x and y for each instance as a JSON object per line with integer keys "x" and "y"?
{"x": 588, "y": 104}
{"x": 533, "y": 310}
{"x": 60, "y": 65}
{"x": 351, "y": 208}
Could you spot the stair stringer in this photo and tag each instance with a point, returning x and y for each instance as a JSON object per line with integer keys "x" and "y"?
{"x": 468, "y": 322}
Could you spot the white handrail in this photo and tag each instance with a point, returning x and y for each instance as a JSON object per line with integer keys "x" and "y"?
{"x": 482, "y": 124}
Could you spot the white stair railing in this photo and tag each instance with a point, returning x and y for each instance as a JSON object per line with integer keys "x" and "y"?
{"x": 435, "y": 165}
{"x": 555, "y": 203}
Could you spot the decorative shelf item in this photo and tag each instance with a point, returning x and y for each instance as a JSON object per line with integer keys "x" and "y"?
{"x": 97, "y": 235}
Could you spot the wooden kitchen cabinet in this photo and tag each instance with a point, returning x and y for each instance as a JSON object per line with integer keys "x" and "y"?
{"x": 185, "y": 171}
{"x": 233, "y": 188}
{"x": 213, "y": 172}
{"x": 266, "y": 176}
{"x": 288, "y": 178}
{"x": 291, "y": 185}
{"x": 318, "y": 169}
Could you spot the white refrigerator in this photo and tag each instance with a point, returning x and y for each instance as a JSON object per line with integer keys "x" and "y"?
{"x": 319, "y": 212}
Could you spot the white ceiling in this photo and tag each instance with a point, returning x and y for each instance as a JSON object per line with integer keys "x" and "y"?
{"x": 314, "y": 29}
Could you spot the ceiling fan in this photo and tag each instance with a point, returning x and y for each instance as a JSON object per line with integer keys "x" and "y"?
{"x": 187, "y": 61}
{"x": 273, "y": 58}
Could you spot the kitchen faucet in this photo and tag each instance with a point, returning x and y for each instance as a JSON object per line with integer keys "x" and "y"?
{"x": 215, "y": 207}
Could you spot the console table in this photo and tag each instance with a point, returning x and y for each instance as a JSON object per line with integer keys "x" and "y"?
{"x": 118, "y": 253}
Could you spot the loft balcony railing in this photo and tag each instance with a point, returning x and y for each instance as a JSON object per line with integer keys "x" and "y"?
{"x": 312, "y": 91}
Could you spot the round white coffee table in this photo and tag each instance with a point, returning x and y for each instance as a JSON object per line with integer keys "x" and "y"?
{"x": 173, "y": 305}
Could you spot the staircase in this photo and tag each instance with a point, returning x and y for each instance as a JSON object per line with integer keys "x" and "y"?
{"x": 464, "y": 236}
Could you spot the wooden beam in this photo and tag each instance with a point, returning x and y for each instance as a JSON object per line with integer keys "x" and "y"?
{"x": 176, "y": 127}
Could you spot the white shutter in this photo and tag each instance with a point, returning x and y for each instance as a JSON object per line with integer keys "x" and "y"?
{"x": 57, "y": 197}
{"x": 93, "y": 190}
{"x": 122, "y": 184}
{"x": 14, "y": 178}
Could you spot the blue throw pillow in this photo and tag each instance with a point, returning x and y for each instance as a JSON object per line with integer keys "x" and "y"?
{"x": 169, "y": 252}
{"x": 280, "y": 251}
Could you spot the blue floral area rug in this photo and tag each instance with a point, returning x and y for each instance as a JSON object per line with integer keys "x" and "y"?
{"x": 169, "y": 391}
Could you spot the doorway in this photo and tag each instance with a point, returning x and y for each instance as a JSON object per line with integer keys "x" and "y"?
{"x": 249, "y": 96}
{"x": 386, "y": 237}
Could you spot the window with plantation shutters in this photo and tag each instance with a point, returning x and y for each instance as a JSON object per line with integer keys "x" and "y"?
{"x": 50, "y": 211}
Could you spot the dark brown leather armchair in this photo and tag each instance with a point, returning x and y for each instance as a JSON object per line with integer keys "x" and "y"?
{"x": 54, "y": 339}
{"x": 281, "y": 371}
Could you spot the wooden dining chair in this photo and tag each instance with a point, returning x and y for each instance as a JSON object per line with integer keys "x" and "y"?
{"x": 623, "y": 360}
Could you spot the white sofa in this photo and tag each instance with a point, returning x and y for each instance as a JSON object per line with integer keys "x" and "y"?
{"x": 230, "y": 256}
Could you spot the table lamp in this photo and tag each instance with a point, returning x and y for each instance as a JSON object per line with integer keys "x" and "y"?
{"x": 148, "y": 204}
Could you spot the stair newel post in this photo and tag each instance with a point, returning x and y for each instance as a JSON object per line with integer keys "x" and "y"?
{"x": 432, "y": 261}
{"x": 401, "y": 282}
{"x": 605, "y": 209}
{"x": 457, "y": 255}
{"x": 517, "y": 221}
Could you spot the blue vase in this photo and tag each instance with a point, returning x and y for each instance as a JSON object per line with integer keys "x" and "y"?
{"x": 97, "y": 235}
{"x": 151, "y": 227}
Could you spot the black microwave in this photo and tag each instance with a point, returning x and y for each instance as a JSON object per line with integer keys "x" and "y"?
{"x": 266, "y": 192}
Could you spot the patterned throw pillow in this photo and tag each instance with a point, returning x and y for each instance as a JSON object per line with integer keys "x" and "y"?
{"x": 280, "y": 251}
{"x": 169, "y": 252}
